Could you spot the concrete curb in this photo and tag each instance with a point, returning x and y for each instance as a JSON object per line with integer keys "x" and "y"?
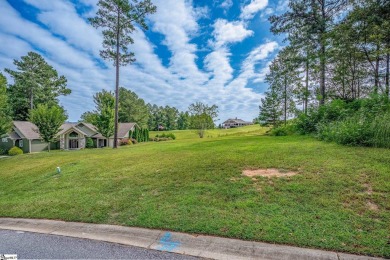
{"x": 194, "y": 245}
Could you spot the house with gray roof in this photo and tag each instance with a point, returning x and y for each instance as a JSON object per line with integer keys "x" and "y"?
{"x": 25, "y": 135}
{"x": 231, "y": 123}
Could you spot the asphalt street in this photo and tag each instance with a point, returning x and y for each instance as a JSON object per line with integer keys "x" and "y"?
{"x": 42, "y": 246}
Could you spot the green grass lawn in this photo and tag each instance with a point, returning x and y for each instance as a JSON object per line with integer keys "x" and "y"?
{"x": 338, "y": 201}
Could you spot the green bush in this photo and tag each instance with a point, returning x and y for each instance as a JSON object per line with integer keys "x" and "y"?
{"x": 363, "y": 122}
{"x": 15, "y": 151}
{"x": 352, "y": 131}
{"x": 381, "y": 131}
{"x": 167, "y": 135}
{"x": 284, "y": 130}
{"x": 89, "y": 143}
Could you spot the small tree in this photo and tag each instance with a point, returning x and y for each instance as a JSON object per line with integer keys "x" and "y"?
{"x": 202, "y": 117}
{"x": 5, "y": 118}
{"x": 105, "y": 113}
{"x": 271, "y": 108}
{"x": 49, "y": 121}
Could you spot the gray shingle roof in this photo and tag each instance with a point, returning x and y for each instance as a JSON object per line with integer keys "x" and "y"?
{"x": 14, "y": 136}
{"x": 123, "y": 129}
{"x": 27, "y": 129}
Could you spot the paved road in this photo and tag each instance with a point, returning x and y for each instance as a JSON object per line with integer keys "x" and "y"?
{"x": 41, "y": 246}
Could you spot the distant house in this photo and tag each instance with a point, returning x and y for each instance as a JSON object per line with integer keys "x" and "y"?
{"x": 71, "y": 136}
{"x": 231, "y": 123}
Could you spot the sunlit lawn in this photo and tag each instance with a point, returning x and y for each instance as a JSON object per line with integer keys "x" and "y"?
{"x": 338, "y": 201}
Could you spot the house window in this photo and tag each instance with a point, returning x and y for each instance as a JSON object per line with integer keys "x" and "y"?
{"x": 73, "y": 134}
{"x": 4, "y": 140}
{"x": 20, "y": 143}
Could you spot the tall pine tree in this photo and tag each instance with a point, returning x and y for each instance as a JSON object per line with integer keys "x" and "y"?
{"x": 119, "y": 19}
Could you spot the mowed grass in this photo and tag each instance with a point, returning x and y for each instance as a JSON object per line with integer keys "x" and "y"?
{"x": 338, "y": 201}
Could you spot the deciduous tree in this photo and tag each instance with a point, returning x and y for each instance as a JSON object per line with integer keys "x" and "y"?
{"x": 104, "y": 113}
{"x": 48, "y": 119}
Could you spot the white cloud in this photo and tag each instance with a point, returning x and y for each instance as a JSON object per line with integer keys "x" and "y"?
{"x": 248, "y": 11}
{"x": 178, "y": 30}
{"x": 71, "y": 45}
{"x": 226, "y": 4}
{"x": 248, "y": 71}
{"x": 76, "y": 30}
{"x": 229, "y": 32}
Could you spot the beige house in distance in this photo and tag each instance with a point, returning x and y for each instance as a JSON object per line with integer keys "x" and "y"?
{"x": 231, "y": 123}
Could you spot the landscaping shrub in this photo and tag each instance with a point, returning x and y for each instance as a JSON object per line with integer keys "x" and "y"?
{"x": 160, "y": 139}
{"x": 89, "y": 143}
{"x": 134, "y": 141}
{"x": 167, "y": 135}
{"x": 3, "y": 151}
{"x": 125, "y": 141}
{"x": 15, "y": 151}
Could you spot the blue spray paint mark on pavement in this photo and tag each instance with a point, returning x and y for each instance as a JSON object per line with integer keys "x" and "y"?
{"x": 166, "y": 244}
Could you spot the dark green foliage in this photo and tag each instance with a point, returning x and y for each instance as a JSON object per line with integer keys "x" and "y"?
{"x": 35, "y": 82}
{"x": 184, "y": 121}
{"x": 48, "y": 120}
{"x": 5, "y": 112}
{"x": 89, "y": 143}
{"x": 271, "y": 108}
{"x": 164, "y": 117}
{"x": 140, "y": 134}
{"x": 88, "y": 117}
{"x": 167, "y": 135}
{"x": 15, "y": 151}
{"x": 132, "y": 108}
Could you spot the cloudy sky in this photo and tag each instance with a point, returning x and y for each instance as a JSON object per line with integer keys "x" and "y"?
{"x": 212, "y": 51}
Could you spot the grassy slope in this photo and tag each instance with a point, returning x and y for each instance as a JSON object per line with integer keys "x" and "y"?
{"x": 195, "y": 185}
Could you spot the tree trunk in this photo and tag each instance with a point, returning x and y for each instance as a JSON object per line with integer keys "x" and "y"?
{"x": 115, "y": 145}
{"x": 31, "y": 99}
{"x": 48, "y": 147}
{"x": 387, "y": 75}
{"x": 322, "y": 54}
{"x": 307, "y": 86}
{"x": 376, "y": 83}
{"x": 285, "y": 100}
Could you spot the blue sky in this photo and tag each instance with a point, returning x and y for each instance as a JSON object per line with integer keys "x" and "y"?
{"x": 212, "y": 51}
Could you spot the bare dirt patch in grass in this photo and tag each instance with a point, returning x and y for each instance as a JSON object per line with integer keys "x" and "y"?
{"x": 269, "y": 173}
{"x": 372, "y": 206}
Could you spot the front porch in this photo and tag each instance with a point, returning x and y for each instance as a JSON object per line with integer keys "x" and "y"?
{"x": 73, "y": 139}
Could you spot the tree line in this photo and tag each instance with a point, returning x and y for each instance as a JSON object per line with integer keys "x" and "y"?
{"x": 337, "y": 52}
{"x": 153, "y": 117}
{"x": 328, "y": 57}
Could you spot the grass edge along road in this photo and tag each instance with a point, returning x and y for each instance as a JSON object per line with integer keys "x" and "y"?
{"x": 337, "y": 201}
